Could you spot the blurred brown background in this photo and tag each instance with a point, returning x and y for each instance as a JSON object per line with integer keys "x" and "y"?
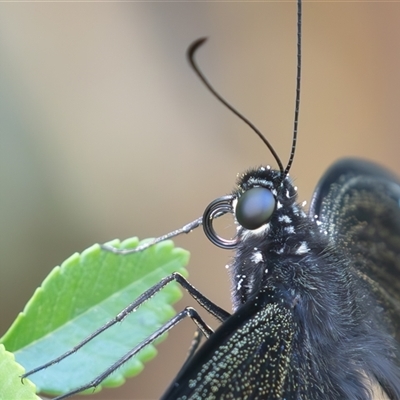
{"x": 106, "y": 132}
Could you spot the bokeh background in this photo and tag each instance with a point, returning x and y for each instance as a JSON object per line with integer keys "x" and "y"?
{"x": 106, "y": 132}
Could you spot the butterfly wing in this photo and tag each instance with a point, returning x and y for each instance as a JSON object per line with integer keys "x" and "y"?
{"x": 357, "y": 203}
{"x": 248, "y": 357}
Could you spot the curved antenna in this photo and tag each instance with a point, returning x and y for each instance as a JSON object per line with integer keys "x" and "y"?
{"x": 297, "y": 102}
{"x": 190, "y": 53}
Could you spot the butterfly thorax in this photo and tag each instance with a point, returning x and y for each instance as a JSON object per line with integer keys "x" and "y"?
{"x": 278, "y": 251}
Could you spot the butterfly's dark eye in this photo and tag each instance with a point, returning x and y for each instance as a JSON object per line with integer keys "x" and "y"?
{"x": 255, "y": 207}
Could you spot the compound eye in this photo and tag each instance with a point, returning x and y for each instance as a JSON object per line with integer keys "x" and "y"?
{"x": 255, "y": 208}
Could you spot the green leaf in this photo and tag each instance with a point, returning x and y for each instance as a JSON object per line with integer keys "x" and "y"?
{"x": 10, "y": 382}
{"x": 75, "y": 299}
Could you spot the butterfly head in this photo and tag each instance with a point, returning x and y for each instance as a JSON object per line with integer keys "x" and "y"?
{"x": 263, "y": 202}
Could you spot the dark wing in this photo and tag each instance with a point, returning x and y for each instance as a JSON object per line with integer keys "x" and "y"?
{"x": 357, "y": 203}
{"x": 246, "y": 358}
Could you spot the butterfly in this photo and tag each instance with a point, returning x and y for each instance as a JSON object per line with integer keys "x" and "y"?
{"x": 315, "y": 298}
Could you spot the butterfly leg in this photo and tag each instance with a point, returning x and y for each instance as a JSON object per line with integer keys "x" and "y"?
{"x": 207, "y": 304}
{"x": 185, "y": 229}
{"x": 187, "y": 312}
{"x": 194, "y": 345}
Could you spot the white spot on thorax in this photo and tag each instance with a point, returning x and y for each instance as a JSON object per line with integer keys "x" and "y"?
{"x": 257, "y": 257}
{"x": 284, "y": 218}
{"x": 303, "y": 248}
{"x": 289, "y": 229}
{"x": 239, "y": 285}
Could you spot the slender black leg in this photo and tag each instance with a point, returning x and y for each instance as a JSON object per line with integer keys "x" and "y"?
{"x": 194, "y": 345}
{"x": 207, "y": 304}
{"x": 187, "y": 312}
{"x": 185, "y": 229}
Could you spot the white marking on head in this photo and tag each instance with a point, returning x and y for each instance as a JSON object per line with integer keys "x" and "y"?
{"x": 318, "y": 223}
{"x": 303, "y": 204}
{"x": 278, "y": 205}
{"x": 234, "y": 204}
{"x": 261, "y": 231}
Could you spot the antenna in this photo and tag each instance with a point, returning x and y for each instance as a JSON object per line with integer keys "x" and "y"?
{"x": 298, "y": 79}
{"x": 190, "y": 53}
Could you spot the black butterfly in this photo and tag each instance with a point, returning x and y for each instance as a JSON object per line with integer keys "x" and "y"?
{"x": 316, "y": 297}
